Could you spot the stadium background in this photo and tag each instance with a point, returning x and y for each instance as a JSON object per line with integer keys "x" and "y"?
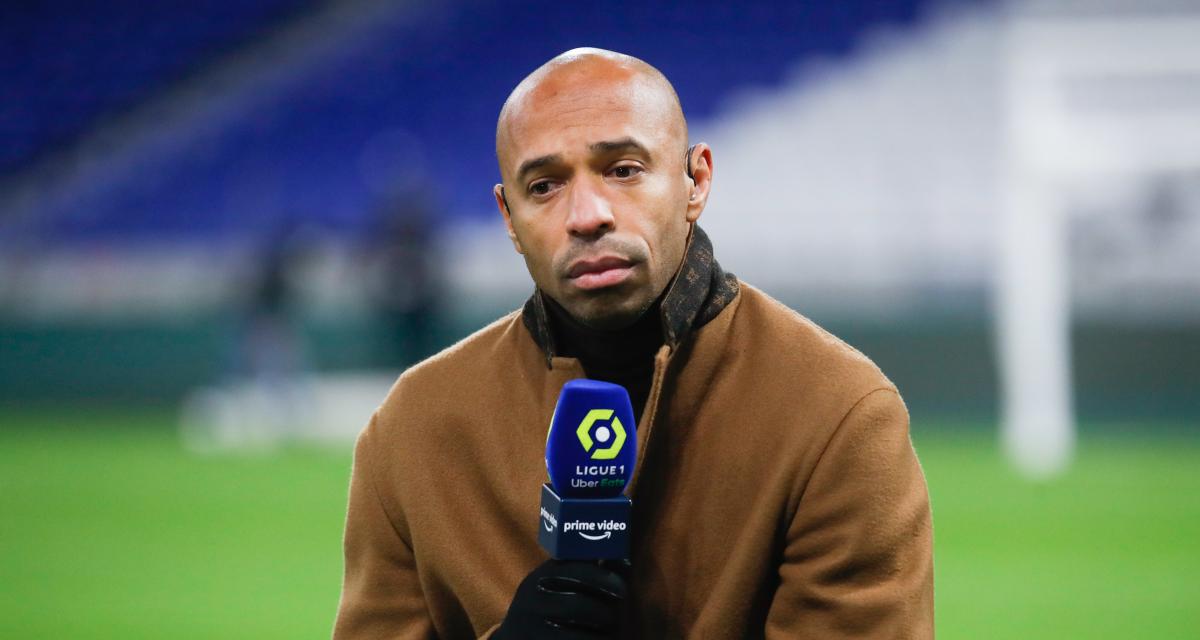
{"x": 225, "y": 227}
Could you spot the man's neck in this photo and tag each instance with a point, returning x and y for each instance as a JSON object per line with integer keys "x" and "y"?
{"x": 621, "y": 356}
{"x": 601, "y": 350}
{"x": 697, "y": 294}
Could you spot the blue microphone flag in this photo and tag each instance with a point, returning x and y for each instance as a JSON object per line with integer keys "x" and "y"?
{"x": 591, "y": 447}
{"x": 591, "y": 450}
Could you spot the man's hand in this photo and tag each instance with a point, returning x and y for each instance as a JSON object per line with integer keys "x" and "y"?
{"x": 566, "y": 599}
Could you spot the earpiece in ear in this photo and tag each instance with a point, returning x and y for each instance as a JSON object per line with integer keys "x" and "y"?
{"x": 505, "y": 201}
{"x": 687, "y": 164}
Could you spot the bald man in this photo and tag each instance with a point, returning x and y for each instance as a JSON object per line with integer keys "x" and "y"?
{"x": 777, "y": 494}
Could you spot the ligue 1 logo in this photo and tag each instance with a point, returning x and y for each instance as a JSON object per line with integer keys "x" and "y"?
{"x": 591, "y": 446}
{"x": 591, "y": 450}
{"x": 607, "y": 428}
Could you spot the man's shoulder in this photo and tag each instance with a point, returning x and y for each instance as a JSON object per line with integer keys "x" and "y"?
{"x": 476, "y": 351}
{"x": 798, "y": 349}
{"x": 801, "y": 379}
{"x": 461, "y": 370}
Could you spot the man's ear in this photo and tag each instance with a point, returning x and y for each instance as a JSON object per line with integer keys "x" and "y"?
{"x": 506, "y": 213}
{"x": 700, "y": 168}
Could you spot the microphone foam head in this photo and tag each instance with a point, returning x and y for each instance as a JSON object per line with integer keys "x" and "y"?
{"x": 592, "y": 444}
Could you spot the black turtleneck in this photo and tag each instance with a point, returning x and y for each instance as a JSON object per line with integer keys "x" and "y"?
{"x": 621, "y": 356}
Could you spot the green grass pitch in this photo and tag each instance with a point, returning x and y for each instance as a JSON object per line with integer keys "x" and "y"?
{"x": 108, "y": 529}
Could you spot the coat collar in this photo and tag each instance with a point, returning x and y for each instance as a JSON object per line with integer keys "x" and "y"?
{"x": 697, "y": 293}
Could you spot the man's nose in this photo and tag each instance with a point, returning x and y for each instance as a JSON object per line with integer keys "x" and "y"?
{"x": 590, "y": 213}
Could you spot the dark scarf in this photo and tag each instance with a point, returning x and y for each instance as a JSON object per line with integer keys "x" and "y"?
{"x": 698, "y": 292}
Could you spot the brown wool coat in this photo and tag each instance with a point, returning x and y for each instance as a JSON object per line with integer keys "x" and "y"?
{"x": 777, "y": 493}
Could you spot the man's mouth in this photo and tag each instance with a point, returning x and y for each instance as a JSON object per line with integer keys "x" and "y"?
{"x": 600, "y": 272}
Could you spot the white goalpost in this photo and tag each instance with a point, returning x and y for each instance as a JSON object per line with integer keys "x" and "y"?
{"x": 1089, "y": 100}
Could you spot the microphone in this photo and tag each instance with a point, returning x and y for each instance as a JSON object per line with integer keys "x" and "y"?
{"x": 591, "y": 449}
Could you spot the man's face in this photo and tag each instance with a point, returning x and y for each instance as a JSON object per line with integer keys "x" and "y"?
{"x": 594, "y": 175}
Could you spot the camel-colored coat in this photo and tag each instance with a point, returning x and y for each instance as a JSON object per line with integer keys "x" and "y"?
{"x": 776, "y": 494}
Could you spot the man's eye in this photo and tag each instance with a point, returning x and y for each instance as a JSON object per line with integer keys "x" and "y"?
{"x": 626, "y": 171}
{"x": 539, "y": 188}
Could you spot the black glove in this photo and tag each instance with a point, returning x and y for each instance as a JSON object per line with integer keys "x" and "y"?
{"x": 566, "y": 599}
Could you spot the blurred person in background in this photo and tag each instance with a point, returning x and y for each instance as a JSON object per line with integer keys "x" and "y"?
{"x": 271, "y": 348}
{"x": 777, "y": 493}
{"x": 271, "y": 352}
{"x": 403, "y": 276}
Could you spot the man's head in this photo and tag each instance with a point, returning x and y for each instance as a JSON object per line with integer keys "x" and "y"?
{"x": 596, "y": 194}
